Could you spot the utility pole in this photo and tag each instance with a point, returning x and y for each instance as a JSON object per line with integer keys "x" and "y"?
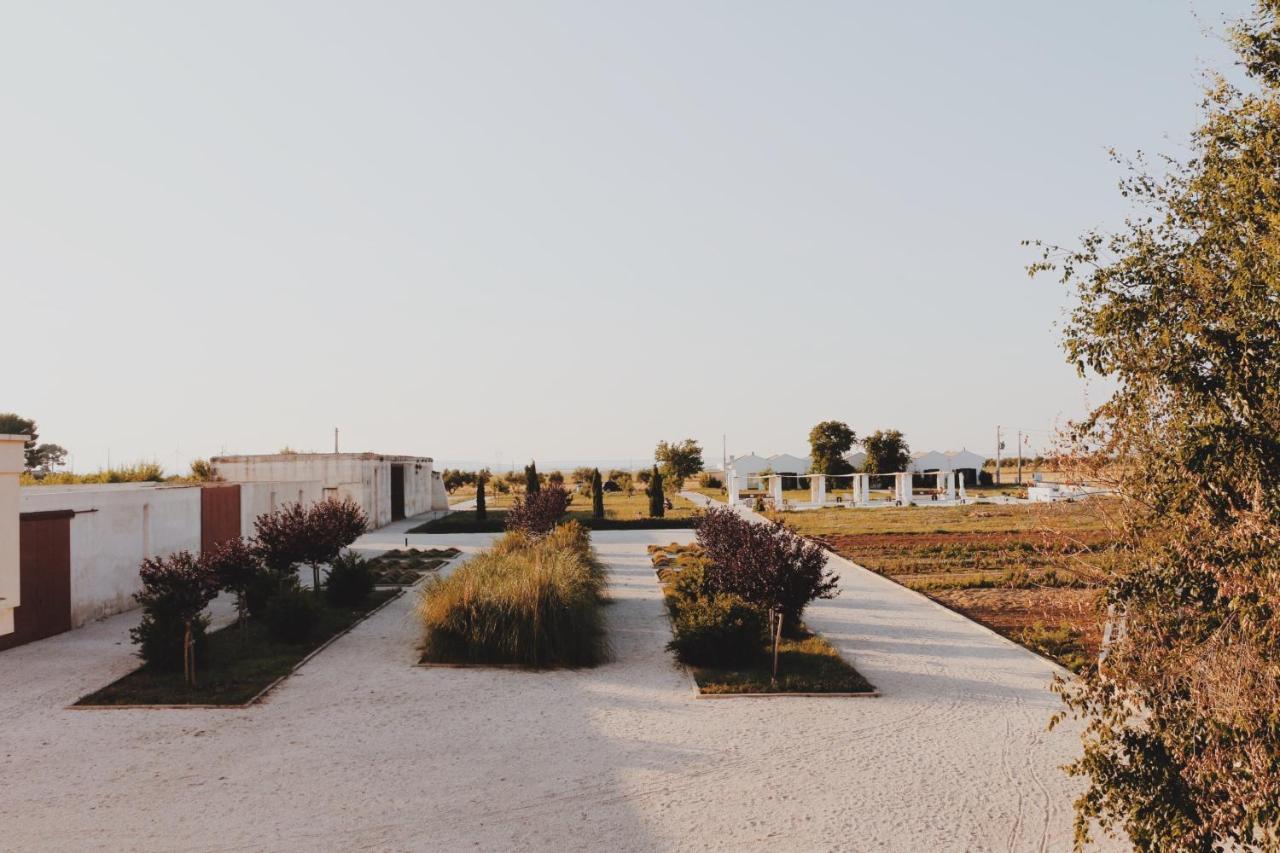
{"x": 999, "y": 446}
{"x": 335, "y": 441}
{"x": 1019, "y": 457}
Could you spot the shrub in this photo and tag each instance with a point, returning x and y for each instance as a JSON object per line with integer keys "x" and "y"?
{"x": 280, "y": 538}
{"x": 721, "y": 631}
{"x": 482, "y": 511}
{"x": 291, "y": 615}
{"x": 175, "y": 591}
{"x": 350, "y": 580}
{"x": 710, "y": 481}
{"x": 536, "y": 514}
{"x": 526, "y": 600}
{"x": 657, "y": 506}
{"x": 597, "y": 495}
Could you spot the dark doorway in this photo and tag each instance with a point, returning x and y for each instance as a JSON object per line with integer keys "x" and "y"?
{"x": 397, "y": 492}
{"x": 44, "y": 571}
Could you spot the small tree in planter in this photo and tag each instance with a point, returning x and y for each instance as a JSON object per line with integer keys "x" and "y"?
{"x": 175, "y": 591}
{"x": 331, "y": 526}
{"x": 538, "y": 514}
{"x": 657, "y": 506}
{"x": 280, "y": 541}
{"x": 235, "y": 565}
{"x": 482, "y": 512}
{"x": 597, "y": 495}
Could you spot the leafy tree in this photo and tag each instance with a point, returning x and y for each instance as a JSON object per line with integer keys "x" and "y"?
{"x": 532, "y": 482}
{"x": 235, "y": 565}
{"x": 202, "y": 471}
{"x": 1181, "y": 310}
{"x": 597, "y": 495}
{"x": 537, "y": 514}
{"x": 829, "y": 441}
{"x": 482, "y": 512}
{"x": 887, "y": 452}
{"x": 769, "y": 565}
{"x": 280, "y": 541}
{"x": 175, "y": 591}
{"x": 657, "y": 499}
{"x": 556, "y": 478}
{"x": 680, "y": 460}
{"x": 331, "y": 525}
{"x": 38, "y": 457}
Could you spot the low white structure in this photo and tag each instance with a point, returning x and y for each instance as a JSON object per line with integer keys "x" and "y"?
{"x": 951, "y": 460}
{"x": 387, "y": 488}
{"x": 11, "y": 463}
{"x": 746, "y": 466}
{"x": 785, "y": 463}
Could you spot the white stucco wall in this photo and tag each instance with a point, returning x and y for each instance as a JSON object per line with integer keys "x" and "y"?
{"x": 439, "y": 496}
{"x": 364, "y": 477}
{"x": 11, "y": 462}
{"x": 259, "y": 498}
{"x": 117, "y": 526}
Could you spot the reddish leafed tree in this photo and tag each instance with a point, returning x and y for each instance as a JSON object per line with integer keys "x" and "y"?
{"x": 331, "y": 526}
{"x": 537, "y": 514}
{"x": 233, "y": 564}
{"x": 175, "y": 591}
{"x": 280, "y": 539}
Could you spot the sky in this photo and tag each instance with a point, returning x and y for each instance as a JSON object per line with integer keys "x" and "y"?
{"x": 489, "y": 232}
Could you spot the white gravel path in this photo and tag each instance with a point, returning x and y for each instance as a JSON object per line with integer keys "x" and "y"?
{"x": 363, "y": 750}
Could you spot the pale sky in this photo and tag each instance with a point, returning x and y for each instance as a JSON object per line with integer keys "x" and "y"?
{"x": 559, "y": 230}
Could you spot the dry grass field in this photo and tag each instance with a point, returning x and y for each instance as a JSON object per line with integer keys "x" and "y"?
{"x": 1030, "y": 572}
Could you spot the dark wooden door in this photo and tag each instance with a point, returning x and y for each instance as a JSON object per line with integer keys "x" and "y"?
{"x": 397, "y": 492}
{"x": 219, "y": 515}
{"x": 44, "y": 546}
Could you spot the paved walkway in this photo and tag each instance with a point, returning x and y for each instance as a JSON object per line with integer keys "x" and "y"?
{"x": 363, "y": 750}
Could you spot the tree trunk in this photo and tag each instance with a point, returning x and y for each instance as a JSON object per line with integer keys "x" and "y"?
{"x": 188, "y": 656}
{"x": 777, "y": 638}
{"x": 315, "y": 578}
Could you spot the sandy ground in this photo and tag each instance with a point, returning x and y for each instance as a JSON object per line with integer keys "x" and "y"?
{"x": 363, "y": 750}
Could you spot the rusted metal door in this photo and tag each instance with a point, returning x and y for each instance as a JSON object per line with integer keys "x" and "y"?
{"x": 397, "y": 492}
{"x": 219, "y": 515}
{"x": 44, "y": 546}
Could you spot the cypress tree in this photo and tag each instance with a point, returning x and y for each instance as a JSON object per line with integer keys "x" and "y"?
{"x": 531, "y": 484}
{"x": 481, "y": 512}
{"x": 597, "y": 495}
{"x": 656, "y": 507}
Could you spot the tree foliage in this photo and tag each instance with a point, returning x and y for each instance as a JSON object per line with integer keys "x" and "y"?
{"x": 1181, "y": 310}
{"x": 597, "y": 495}
{"x": 657, "y": 498}
{"x": 532, "y": 481}
{"x": 829, "y": 441}
{"x": 482, "y": 512}
{"x": 37, "y": 457}
{"x": 887, "y": 452}
{"x": 538, "y": 513}
{"x": 679, "y": 460}
{"x": 175, "y": 591}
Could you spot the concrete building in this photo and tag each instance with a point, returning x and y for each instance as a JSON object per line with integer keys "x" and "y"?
{"x": 785, "y": 463}
{"x": 955, "y": 461}
{"x": 11, "y": 463}
{"x": 388, "y": 488}
{"x": 746, "y": 466}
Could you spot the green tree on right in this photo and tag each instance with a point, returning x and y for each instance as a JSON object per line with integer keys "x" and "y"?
{"x": 1180, "y": 310}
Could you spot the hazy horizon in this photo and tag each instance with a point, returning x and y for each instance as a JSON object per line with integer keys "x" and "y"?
{"x": 501, "y": 232}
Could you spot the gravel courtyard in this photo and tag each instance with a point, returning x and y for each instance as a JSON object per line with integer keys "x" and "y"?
{"x": 363, "y": 750}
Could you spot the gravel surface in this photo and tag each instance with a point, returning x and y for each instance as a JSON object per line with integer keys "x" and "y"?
{"x": 363, "y": 750}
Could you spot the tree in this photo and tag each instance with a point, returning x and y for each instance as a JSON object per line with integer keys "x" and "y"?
{"x": 657, "y": 505}
{"x": 280, "y": 542}
{"x": 597, "y": 495}
{"x": 680, "y": 460}
{"x": 234, "y": 564}
{"x": 482, "y": 511}
{"x": 175, "y": 591}
{"x": 537, "y": 514}
{"x": 1180, "y": 309}
{"x": 769, "y": 565}
{"x": 331, "y": 525}
{"x": 829, "y": 441}
{"x": 887, "y": 452}
{"x": 532, "y": 482}
{"x": 38, "y": 457}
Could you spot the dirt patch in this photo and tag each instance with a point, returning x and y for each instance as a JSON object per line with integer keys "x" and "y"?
{"x": 1014, "y": 612}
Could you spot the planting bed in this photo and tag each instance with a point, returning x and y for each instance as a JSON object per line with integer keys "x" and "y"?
{"x": 622, "y": 512}
{"x": 406, "y": 567}
{"x": 240, "y": 663}
{"x": 807, "y": 663}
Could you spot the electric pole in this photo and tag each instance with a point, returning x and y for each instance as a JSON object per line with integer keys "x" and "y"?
{"x": 999, "y": 447}
{"x": 335, "y": 441}
{"x": 1019, "y": 457}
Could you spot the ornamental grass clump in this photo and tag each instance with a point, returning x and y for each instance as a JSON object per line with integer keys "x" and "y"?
{"x": 528, "y": 600}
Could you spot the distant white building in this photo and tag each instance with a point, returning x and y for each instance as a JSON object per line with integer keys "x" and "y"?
{"x": 746, "y": 466}
{"x": 951, "y": 460}
{"x": 785, "y": 463}
{"x": 856, "y": 459}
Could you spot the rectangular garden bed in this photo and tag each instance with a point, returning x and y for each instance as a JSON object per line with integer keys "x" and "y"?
{"x": 405, "y": 567}
{"x": 241, "y": 663}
